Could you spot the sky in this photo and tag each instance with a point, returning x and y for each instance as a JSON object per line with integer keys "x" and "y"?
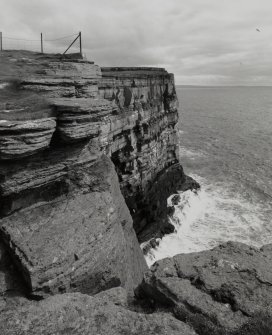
{"x": 203, "y": 42}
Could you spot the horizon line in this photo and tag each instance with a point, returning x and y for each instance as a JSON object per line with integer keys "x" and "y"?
{"x": 185, "y": 85}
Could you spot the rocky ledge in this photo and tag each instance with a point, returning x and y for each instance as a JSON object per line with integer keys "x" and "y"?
{"x": 226, "y": 290}
{"x": 82, "y": 314}
{"x": 223, "y": 291}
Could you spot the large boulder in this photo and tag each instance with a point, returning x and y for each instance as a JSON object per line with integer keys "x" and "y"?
{"x": 219, "y": 291}
{"x": 70, "y": 229}
{"x": 75, "y": 313}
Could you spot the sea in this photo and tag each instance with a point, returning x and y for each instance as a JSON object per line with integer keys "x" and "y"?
{"x": 225, "y": 143}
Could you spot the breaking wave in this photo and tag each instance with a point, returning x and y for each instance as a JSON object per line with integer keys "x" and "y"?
{"x": 210, "y": 216}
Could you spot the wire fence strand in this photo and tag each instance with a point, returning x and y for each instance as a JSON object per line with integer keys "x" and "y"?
{"x": 44, "y": 45}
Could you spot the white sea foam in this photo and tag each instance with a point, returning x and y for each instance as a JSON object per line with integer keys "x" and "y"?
{"x": 3, "y": 85}
{"x": 209, "y": 217}
{"x": 189, "y": 153}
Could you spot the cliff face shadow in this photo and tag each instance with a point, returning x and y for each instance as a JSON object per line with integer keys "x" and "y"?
{"x": 11, "y": 280}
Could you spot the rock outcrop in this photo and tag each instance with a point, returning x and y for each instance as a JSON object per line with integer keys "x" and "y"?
{"x": 77, "y": 313}
{"x": 219, "y": 291}
{"x": 72, "y": 230}
{"x": 82, "y": 118}
{"x": 21, "y": 138}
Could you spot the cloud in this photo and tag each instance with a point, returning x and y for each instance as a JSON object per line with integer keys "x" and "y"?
{"x": 201, "y": 41}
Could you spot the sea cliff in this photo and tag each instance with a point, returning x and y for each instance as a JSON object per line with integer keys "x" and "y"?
{"x": 88, "y": 158}
{"x": 64, "y": 121}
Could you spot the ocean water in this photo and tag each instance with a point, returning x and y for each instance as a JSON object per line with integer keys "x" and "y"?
{"x": 225, "y": 143}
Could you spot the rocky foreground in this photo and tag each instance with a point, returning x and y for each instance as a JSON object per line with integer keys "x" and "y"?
{"x": 227, "y": 290}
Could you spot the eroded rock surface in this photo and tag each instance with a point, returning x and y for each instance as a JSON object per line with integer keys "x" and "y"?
{"x": 81, "y": 118}
{"x": 81, "y": 240}
{"x": 218, "y": 291}
{"x": 81, "y": 314}
{"x": 21, "y": 138}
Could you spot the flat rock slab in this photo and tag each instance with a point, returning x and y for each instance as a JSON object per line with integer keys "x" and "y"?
{"x": 76, "y": 313}
{"x": 220, "y": 289}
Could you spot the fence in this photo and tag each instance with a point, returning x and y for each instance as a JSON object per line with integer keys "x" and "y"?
{"x": 63, "y": 45}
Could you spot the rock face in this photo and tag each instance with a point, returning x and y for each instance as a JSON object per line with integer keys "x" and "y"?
{"x": 50, "y": 74}
{"x": 64, "y": 221}
{"x": 20, "y": 138}
{"x": 64, "y": 224}
{"x": 82, "y": 118}
{"x": 81, "y": 314}
{"x": 219, "y": 291}
{"x": 144, "y": 150}
{"x": 80, "y": 240}
{"x": 130, "y": 112}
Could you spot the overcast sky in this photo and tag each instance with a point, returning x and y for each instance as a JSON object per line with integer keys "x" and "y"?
{"x": 203, "y": 42}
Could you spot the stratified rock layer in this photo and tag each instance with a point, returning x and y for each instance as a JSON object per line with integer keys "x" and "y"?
{"x": 82, "y": 118}
{"x": 53, "y": 75}
{"x": 217, "y": 291}
{"x": 81, "y": 240}
{"x": 131, "y": 112}
{"x": 21, "y": 138}
{"x": 144, "y": 148}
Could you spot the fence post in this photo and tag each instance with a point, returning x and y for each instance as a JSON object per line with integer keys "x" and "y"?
{"x": 1, "y": 43}
{"x": 41, "y": 43}
{"x": 80, "y": 43}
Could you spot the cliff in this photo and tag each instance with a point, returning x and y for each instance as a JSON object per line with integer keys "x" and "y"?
{"x": 145, "y": 150}
{"x": 64, "y": 220}
{"x": 65, "y": 226}
{"x": 130, "y": 112}
{"x": 87, "y": 160}
{"x": 62, "y": 119}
